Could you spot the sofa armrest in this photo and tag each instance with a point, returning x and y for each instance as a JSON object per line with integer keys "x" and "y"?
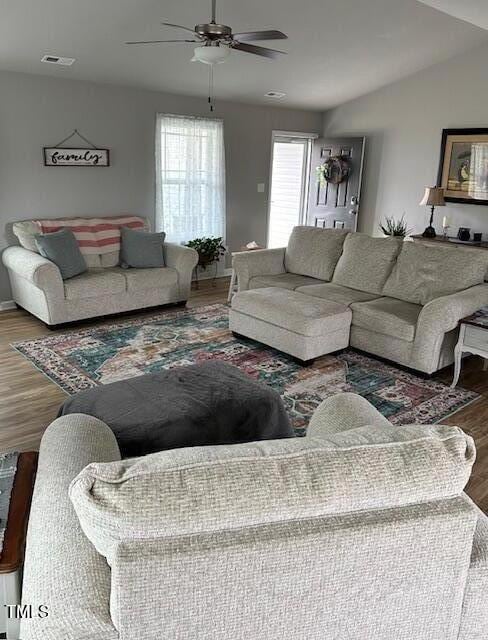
{"x": 184, "y": 260}
{"x": 342, "y": 412}
{"x": 474, "y": 621}
{"x": 38, "y": 270}
{"x": 440, "y": 316}
{"x": 263, "y": 262}
{"x": 444, "y": 313}
{"x": 62, "y": 569}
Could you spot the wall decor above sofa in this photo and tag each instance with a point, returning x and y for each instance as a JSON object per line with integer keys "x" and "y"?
{"x": 463, "y": 166}
{"x": 90, "y": 156}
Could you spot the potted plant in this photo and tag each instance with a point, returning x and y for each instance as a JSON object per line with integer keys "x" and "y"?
{"x": 397, "y": 228}
{"x": 209, "y": 250}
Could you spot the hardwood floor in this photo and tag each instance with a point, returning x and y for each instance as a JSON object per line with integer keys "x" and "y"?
{"x": 29, "y": 401}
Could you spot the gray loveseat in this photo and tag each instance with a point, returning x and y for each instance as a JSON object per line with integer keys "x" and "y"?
{"x": 263, "y": 540}
{"x": 406, "y": 298}
{"x": 104, "y": 289}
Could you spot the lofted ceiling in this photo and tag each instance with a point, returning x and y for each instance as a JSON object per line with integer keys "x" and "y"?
{"x": 336, "y": 50}
{"x": 473, "y": 11}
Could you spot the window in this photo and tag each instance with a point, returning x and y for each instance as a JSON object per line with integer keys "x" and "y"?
{"x": 190, "y": 177}
{"x": 289, "y": 185}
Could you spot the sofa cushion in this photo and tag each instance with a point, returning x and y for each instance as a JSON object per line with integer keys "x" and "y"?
{"x": 366, "y": 262}
{"x": 212, "y": 489}
{"x": 138, "y": 279}
{"x": 62, "y": 248}
{"x": 294, "y": 311}
{"x": 284, "y": 280}
{"x": 314, "y": 252}
{"x": 95, "y": 283}
{"x": 424, "y": 272}
{"x": 110, "y": 259}
{"x": 388, "y": 316}
{"x": 141, "y": 249}
{"x": 336, "y": 293}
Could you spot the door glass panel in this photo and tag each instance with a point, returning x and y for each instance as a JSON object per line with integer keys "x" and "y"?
{"x": 288, "y": 175}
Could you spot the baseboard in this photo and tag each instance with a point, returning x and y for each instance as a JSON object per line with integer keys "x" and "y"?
{"x": 7, "y": 305}
{"x": 226, "y": 273}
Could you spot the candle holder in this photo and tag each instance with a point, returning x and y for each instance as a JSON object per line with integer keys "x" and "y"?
{"x": 445, "y": 230}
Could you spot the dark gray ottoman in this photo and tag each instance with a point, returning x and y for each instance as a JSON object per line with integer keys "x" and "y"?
{"x": 210, "y": 403}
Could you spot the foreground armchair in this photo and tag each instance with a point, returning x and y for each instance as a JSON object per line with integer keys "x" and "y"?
{"x": 359, "y": 530}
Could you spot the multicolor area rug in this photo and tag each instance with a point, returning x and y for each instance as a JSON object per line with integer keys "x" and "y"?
{"x": 83, "y": 358}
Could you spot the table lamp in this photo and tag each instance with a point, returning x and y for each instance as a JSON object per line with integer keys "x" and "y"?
{"x": 433, "y": 197}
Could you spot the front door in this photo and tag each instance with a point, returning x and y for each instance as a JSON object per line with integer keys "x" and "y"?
{"x": 331, "y": 204}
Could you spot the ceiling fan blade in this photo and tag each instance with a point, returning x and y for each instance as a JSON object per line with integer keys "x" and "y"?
{"x": 260, "y": 35}
{"x": 160, "y": 41}
{"x": 179, "y": 26}
{"x": 259, "y": 51}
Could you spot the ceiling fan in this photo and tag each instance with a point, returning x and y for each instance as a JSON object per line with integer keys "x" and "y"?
{"x": 216, "y": 40}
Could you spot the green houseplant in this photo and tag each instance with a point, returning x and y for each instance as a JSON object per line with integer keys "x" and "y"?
{"x": 392, "y": 227}
{"x": 209, "y": 250}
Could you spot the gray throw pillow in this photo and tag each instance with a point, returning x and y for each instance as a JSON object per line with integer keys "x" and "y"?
{"x": 141, "y": 249}
{"x": 61, "y": 247}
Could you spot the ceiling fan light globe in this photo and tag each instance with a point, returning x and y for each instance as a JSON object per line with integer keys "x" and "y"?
{"x": 211, "y": 55}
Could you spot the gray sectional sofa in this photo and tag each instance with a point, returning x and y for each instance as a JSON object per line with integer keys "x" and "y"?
{"x": 405, "y": 299}
{"x": 264, "y": 540}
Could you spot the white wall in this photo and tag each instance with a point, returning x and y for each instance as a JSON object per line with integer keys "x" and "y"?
{"x": 403, "y": 124}
{"x": 37, "y": 111}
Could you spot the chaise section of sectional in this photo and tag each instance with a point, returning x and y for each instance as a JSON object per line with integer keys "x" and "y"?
{"x": 301, "y": 326}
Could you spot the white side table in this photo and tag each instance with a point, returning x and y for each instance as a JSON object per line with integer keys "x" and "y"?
{"x": 473, "y": 338}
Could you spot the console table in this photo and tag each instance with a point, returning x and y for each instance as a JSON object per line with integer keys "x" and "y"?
{"x": 473, "y": 338}
{"x": 450, "y": 241}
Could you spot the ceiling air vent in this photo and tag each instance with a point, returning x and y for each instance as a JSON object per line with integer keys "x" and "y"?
{"x": 65, "y": 62}
{"x": 275, "y": 94}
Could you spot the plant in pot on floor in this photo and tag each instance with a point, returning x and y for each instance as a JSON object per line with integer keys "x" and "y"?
{"x": 209, "y": 250}
{"x": 395, "y": 228}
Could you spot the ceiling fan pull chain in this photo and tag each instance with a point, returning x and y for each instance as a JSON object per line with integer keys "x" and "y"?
{"x": 210, "y": 87}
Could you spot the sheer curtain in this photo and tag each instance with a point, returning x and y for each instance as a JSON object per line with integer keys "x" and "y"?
{"x": 190, "y": 177}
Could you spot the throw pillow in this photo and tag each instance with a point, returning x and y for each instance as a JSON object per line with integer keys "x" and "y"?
{"x": 61, "y": 247}
{"x": 141, "y": 249}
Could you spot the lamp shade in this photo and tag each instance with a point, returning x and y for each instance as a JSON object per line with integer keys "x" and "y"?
{"x": 433, "y": 197}
{"x": 211, "y": 54}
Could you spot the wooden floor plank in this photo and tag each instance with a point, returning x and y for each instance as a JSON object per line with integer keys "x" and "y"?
{"x": 29, "y": 401}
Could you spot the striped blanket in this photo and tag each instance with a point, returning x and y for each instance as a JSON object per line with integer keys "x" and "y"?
{"x": 94, "y": 235}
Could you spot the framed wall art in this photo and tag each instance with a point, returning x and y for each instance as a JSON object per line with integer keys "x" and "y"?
{"x": 463, "y": 166}
{"x": 86, "y": 156}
